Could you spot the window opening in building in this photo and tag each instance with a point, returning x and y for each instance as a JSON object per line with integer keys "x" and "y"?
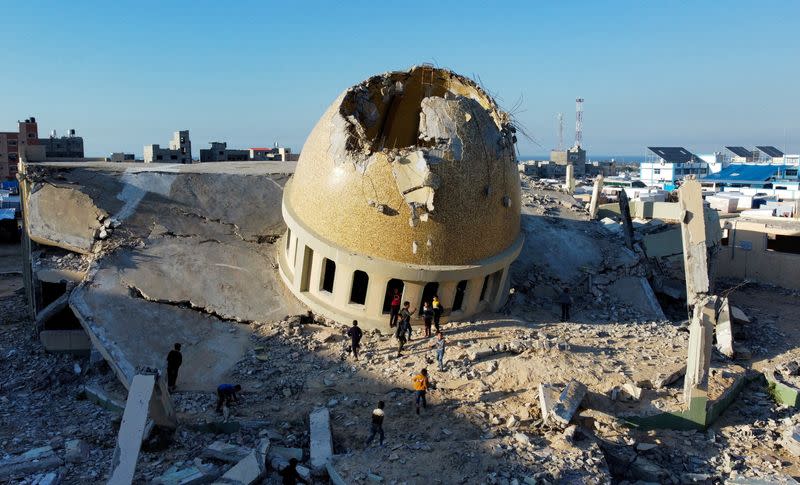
{"x": 458, "y": 300}
{"x": 358, "y": 292}
{"x": 393, "y": 284}
{"x": 328, "y": 275}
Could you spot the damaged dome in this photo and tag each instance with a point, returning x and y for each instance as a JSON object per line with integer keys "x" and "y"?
{"x": 415, "y": 166}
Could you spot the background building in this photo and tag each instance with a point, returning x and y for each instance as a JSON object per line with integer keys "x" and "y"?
{"x": 179, "y": 151}
{"x": 665, "y": 167}
{"x": 219, "y": 152}
{"x": 70, "y": 146}
{"x": 14, "y": 143}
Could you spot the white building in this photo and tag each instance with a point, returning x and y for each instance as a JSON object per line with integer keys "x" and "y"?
{"x": 179, "y": 151}
{"x": 716, "y": 161}
{"x": 669, "y": 165}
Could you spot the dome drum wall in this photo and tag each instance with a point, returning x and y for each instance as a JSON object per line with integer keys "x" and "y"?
{"x": 323, "y": 277}
{"x": 412, "y": 169}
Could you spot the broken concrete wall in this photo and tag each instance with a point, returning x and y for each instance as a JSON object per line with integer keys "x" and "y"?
{"x": 63, "y": 216}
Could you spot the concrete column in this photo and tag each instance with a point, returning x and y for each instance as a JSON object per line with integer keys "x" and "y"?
{"x": 693, "y": 233}
{"x": 570, "y": 179}
{"x": 342, "y": 284}
{"x": 412, "y": 292}
{"x": 598, "y": 187}
{"x": 315, "y": 280}
{"x": 473, "y": 295}
{"x": 376, "y": 292}
{"x": 625, "y": 215}
{"x": 447, "y": 292}
{"x": 701, "y": 334}
{"x": 501, "y": 293}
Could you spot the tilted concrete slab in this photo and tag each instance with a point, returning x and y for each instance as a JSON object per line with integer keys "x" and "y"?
{"x": 134, "y": 421}
{"x": 250, "y": 469}
{"x": 637, "y": 292}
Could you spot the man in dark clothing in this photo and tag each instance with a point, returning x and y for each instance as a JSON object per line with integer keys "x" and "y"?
{"x": 405, "y": 317}
{"x": 400, "y": 334}
{"x": 355, "y": 334}
{"x": 289, "y": 475}
{"x": 308, "y": 318}
{"x": 394, "y": 308}
{"x": 174, "y": 361}
{"x": 427, "y": 318}
{"x": 566, "y": 302}
{"x": 226, "y": 394}
{"x": 376, "y": 426}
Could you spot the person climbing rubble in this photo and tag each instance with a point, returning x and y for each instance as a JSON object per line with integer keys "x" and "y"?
{"x": 437, "y": 312}
{"x": 427, "y": 318}
{"x": 394, "y": 308}
{"x": 566, "y": 302}
{"x": 226, "y": 394}
{"x": 400, "y": 335}
{"x": 174, "y": 361}
{"x": 376, "y": 427}
{"x": 421, "y": 383}
{"x": 355, "y": 335}
{"x": 290, "y": 475}
{"x": 439, "y": 343}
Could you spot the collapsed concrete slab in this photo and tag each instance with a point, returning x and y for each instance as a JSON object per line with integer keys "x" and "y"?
{"x": 636, "y": 292}
{"x": 162, "y": 226}
{"x": 321, "y": 441}
{"x": 559, "y": 407}
{"x": 219, "y": 450}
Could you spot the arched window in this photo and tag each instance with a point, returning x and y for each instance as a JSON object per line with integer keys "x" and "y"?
{"x": 328, "y": 275}
{"x": 358, "y": 292}
{"x": 391, "y": 286}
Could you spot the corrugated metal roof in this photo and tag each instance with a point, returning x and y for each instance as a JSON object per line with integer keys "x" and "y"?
{"x": 745, "y": 173}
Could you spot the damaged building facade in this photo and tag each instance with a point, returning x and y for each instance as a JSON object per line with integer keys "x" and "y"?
{"x": 408, "y": 182}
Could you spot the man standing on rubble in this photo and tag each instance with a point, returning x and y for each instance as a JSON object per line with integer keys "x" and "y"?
{"x": 174, "y": 361}
{"x": 439, "y": 344}
{"x": 437, "y": 312}
{"x": 566, "y": 302}
{"x": 376, "y": 426}
{"x": 420, "y": 388}
{"x": 427, "y": 318}
{"x": 405, "y": 318}
{"x": 355, "y": 335}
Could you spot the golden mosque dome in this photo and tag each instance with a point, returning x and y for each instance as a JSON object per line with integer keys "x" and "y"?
{"x": 414, "y": 167}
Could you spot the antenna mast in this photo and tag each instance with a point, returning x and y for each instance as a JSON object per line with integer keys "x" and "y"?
{"x": 578, "y": 122}
{"x": 560, "y": 131}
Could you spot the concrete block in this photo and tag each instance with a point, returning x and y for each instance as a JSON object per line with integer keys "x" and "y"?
{"x": 663, "y": 380}
{"x": 31, "y": 461}
{"x": 193, "y": 475}
{"x": 738, "y": 316}
{"x": 287, "y": 453}
{"x": 76, "y": 451}
{"x": 568, "y": 402}
{"x": 222, "y": 451}
{"x": 321, "y": 440}
{"x": 548, "y": 396}
{"x": 99, "y": 397}
{"x": 723, "y": 330}
{"x": 791, "y": 440}
{"x": 251, "y": 469}
{"x": 50, "y": 478}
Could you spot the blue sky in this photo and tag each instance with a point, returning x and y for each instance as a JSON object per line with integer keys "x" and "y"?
{"x": 124, "y": 74}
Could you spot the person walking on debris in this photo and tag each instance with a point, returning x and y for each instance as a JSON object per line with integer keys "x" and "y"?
{"x": 427, "y": 317}
{"x": 566, "y": 302}
{"x": 376, "y": 427}
{"x": 400, "y": 334}
{"x": 394, "y": 308}
{"x": 420, "y": 388}
{"x": 405, "y": 318}
{"x": 174, "y": 361}
{"x": 355, "y": 335}
{"x": 226, "y": 394}
{"x": 439, "y": 344}
{"x": 290, "y": 475}
{"x": 437, "y": 312}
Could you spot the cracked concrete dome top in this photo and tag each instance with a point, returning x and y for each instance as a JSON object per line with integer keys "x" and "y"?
{"x": 412, "y": 166}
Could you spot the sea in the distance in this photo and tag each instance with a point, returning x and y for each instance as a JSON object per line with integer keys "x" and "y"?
{"x": 593, "y": 158}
